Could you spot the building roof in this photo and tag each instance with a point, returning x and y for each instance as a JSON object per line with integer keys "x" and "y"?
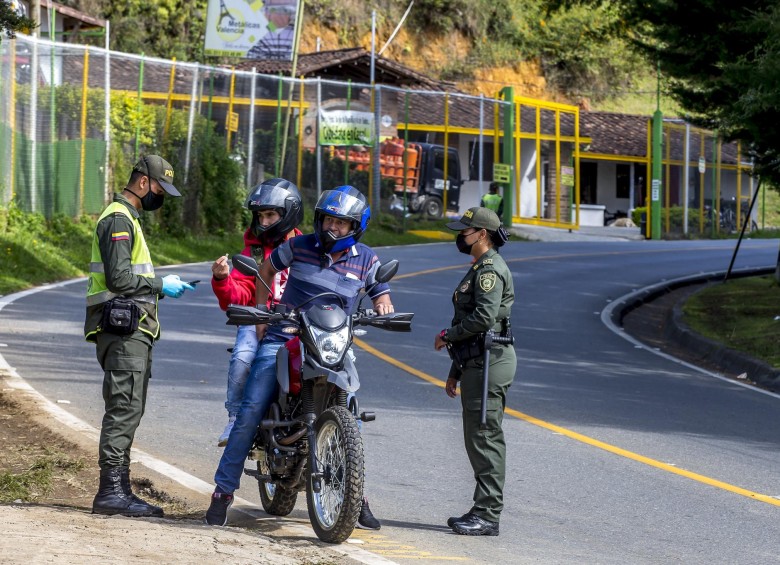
{"x": 352, "y": 63}
{"x": 625, "y": 135}
{"x": 72, "y": 14}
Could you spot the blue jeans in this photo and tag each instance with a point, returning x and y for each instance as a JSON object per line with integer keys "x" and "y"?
{"x": 240, "y": 362}
{"x": 259, "y": 392}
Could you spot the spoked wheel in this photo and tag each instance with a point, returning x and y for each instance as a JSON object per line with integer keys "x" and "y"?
{"x": 334, "y": 510}
{"x": 276, "y": 500}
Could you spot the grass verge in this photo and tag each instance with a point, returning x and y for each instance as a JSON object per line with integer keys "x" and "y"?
{"x": 743, "y": 314}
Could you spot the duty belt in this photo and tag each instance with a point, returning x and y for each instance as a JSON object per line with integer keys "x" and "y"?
{"x": 106, "y": 295}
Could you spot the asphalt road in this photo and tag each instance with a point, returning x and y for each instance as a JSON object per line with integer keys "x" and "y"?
{"x": 616, "y": 455}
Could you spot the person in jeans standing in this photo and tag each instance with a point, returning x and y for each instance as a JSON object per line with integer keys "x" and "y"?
{"x": 277, "y": 210}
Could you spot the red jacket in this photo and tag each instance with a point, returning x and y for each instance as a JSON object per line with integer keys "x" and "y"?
{"x": 240, "y": 289}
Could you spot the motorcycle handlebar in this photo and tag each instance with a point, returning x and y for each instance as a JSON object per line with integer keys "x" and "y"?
{"x": 394, "y": 322}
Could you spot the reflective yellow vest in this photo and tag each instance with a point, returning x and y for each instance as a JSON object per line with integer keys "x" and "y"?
{"x": 140, "y": 264}
{"x": 492, "y": 201}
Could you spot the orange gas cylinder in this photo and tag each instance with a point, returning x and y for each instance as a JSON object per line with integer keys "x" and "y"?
{"x": 412, "y": 156}
{"x": 395, "y": 148}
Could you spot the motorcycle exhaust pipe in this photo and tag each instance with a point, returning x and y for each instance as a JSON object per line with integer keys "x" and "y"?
{"x": 289, "y": 440}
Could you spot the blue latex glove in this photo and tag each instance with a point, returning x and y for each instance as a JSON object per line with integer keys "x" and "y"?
{"x": 174, "y": 287}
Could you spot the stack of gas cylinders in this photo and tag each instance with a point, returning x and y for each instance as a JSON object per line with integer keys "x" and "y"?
{"x": 391, "y": 161}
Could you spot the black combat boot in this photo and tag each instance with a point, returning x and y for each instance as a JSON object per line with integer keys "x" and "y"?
{"x": 112, "y": 499}
{"x": 155, "y": 510}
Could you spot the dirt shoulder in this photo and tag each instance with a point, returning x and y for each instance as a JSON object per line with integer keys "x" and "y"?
{"x": 49, "y": 475}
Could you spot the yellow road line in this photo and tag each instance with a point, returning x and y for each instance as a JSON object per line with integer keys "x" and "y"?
{"x": 382, "y": 545}
{"x": 564, "y": 431}
{"x": 580, "y": 437}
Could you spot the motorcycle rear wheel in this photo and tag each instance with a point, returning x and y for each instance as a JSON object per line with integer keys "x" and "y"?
{"x": 334, "y": 510}
{"x": 276, "y": 500}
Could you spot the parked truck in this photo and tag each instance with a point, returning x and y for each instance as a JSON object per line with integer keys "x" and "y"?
{"x": 419, "y": 178}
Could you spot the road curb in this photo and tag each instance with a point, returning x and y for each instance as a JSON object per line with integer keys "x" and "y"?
{"x": 730, "y": 360}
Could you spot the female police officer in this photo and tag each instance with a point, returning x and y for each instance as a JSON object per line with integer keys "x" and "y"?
{"x": 483, "y": 301}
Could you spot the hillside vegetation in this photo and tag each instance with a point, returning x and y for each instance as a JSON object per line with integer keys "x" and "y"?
{"x": 568, "y": 53}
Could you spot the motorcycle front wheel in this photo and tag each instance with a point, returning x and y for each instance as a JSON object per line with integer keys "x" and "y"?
{"x": 276, "y": 500}
{"x": 334, "y": 510}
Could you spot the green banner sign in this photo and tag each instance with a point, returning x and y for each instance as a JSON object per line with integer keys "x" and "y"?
{"x": 346, "y": 127}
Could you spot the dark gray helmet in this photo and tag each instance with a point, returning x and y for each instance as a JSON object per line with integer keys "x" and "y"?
{"x": 280, "y": 195}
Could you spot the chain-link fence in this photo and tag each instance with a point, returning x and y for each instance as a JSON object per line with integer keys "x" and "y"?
{"x": 74, "y": 120}
{"x": 706, "y": 183}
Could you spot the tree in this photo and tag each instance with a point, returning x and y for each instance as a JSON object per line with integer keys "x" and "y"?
{"x": 12, "y": 21}
{"x": 721, "y": 59}
{"x": 723, "y": 62}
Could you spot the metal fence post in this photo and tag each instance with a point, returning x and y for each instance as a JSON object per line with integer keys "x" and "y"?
{"x": 169, "y": 103}
{"x": 139, "y": 108}
{"x": 107, "y": 104}
{"x": 299, "y": 167}
{"x": 191, "y": 124}
{"x": 33, "y": 127}
{"x": 317, "y": 147}
{"x": 251, "y": 143}
{"x": 376, "y": 172}
{"x": 83, "y": 161}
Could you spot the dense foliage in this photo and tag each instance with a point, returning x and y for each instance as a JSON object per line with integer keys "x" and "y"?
{"x": 11, "y": 21}
{"x": 723, "y": 62}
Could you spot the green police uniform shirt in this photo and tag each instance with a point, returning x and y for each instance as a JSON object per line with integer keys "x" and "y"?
{"x": 115, "y": 238}
{"x": 482, "y": 299}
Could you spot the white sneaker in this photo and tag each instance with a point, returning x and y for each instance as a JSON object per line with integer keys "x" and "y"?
{"x": 223, "y": 439}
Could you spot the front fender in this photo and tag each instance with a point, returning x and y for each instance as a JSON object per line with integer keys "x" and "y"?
{"x": 346, "y": 379}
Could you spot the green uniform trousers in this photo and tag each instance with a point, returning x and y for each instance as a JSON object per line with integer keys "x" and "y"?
{"x": 127, "y": 366}
{"x": 486, "y": 448}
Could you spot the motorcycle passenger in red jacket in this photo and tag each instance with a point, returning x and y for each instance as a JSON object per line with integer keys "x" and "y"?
{"x": 277, "y": 210}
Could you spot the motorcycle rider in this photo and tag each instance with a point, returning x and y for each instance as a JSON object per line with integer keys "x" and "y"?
{"x": 330, "y": 259}
{"x": 277, "y": 210}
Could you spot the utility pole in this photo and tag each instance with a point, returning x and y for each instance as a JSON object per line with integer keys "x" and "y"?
{"x": 655, "y": 186}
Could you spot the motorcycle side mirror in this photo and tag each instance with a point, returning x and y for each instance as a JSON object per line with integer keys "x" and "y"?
{"x": 387, "y": 271}
{"x": 246, "y": 265}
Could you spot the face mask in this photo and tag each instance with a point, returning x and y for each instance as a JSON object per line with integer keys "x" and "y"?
{"x": 464, "y": 247}
{"x": 152, "y": 201}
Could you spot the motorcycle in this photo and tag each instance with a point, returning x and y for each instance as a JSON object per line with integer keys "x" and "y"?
{"x": 310, "y": 439}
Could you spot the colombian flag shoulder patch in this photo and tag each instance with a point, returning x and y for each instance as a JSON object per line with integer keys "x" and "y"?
{"x": 120, "y": 236}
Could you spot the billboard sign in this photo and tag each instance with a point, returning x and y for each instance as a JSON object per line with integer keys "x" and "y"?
{"x": 260, "y": 29}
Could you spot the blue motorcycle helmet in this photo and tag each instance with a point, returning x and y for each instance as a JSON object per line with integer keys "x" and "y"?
{"x": 345, "y": 202}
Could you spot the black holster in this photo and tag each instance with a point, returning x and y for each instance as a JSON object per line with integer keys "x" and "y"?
{"x": 474, "y": 348}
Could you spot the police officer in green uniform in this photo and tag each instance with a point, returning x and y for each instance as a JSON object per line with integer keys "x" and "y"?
{"x": 122, "y": 321}
{"x": 483, "y": 301}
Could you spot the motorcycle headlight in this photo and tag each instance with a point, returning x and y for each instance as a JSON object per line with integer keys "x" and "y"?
{"x": 331, "y": 345}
